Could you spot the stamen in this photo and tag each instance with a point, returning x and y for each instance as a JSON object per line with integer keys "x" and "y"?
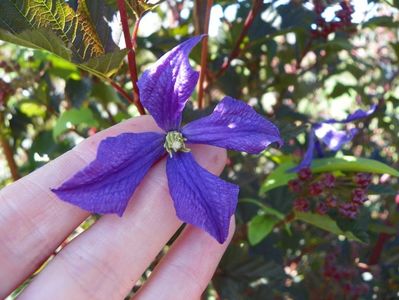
{"x": 174, "y": 142}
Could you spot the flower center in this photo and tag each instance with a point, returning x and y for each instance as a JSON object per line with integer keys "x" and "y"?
{"x": 174, "y": 142}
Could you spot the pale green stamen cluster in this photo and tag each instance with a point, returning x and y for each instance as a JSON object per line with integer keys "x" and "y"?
{"x": 174, "y": 142}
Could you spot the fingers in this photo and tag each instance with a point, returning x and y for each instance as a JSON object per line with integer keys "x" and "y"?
{"x": 107, "y": 260}
{"x": 186, "y": 270}
{"x": 33, "y": 222}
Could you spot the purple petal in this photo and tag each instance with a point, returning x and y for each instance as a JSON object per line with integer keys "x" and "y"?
{"x": 167, "y": 85}
{"x": 357, "y": 115}
{"x": 201, "y": 198}
{"x": 334, "y": 139}
{"x": 308, "y": 157}
{"x": 233, "y": 125}
{"x": 107, "y": 183}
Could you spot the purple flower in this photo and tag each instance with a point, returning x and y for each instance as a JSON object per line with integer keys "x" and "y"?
{"x": 331, "y": 137}
{"x": 200, "y": 198}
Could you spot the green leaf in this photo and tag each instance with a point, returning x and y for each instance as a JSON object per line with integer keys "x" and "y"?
{"x": 82, "y": 36}
{"x": 340, "y": 89}
{"x": 265, "y": 209}
{"x": 281, "y": 175}
{"x": 357, "y": 227}
{"x": 325, "y": 222}
{"x": 78, "y": 91}
{"x": 382, "y": 190}
{"x": 260, "y": 227}
{"x": 32, "y": 109}
{"x": 105, "y": 65}
{"x": 381, "y": 228}
{"x": 104, "y": 93}
{"x": 383, "y": 21}
{"x": 74, "y": 117}
{"x": 140, "y": 7}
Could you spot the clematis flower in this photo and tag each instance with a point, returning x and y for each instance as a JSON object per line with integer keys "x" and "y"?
{"x": 200, "y": 198}
{"x": 331, "y": 137}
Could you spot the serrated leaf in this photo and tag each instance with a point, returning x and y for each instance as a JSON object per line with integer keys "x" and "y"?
{"x": 105, "y": 65}
{"x": 281, "y": 175}
{"x": 325, "y": 222}
{"x": 260, "y": 227}
{"x": 74, "y": 117}
{"x": 82, "y": 36}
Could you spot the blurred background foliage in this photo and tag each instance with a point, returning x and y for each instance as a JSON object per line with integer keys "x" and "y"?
{"x": 296, "y": 62}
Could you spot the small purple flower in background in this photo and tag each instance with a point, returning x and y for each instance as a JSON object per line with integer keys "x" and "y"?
{"x": 332, "y": 138}
{"x": 200, "y": 198}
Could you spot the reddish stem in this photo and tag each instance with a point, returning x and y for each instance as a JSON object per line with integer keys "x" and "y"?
{"x": 131, "y": 55}
{"x": 204, "y": 56}
{"x": 256, "y": 7}
{"x": 288, "y": 219}
{"x": 303, "y": 53}
{"x": 8, "y": 153}
{"x": 121, "y": 91}
{"x": 378, "y": 248}
{"x": 134, "y": 35}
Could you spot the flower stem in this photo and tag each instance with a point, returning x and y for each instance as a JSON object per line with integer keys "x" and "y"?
{"x": 204, "y": 56}
{"x": 131, "y": 55}
{"x": 255, "y": 10}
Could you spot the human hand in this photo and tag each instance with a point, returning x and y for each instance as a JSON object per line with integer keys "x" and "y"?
{"x": 107, "y": 260}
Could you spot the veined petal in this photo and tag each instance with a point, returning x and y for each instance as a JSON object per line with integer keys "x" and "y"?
{"x": 334, "y": 139}
{"x": 167, "y": 85}
{"x": 201, "y": 198}
{"x": 357, "y": 115}
{"x": 233, "y": 125}
{"x": 107, "y": 183}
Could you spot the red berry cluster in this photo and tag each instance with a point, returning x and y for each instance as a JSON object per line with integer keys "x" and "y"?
{"x": 358, "y": 196}
{"x": 324, "y": 28}
{"x": 324, "y": 192}
{"x": 344, "y": 276}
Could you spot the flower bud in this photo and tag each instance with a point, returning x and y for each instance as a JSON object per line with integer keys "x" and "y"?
{"x": 305, "y": 174}
{"x": 295, "y": 185}
{"x": 316, "y": 188}
{"x": 301, "y": 204}
{"x": 331, "y": 201}
{"x": 363, "y": 180}
{"x": 329, "y": 180}
{"x": 359, "y": 196}
{"x": 321, "y": 208}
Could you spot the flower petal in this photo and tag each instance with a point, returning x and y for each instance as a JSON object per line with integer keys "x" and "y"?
{"x": 334, "y": 139}
{"x": 357, "y": 115}
{"x": 308, "y": 157}
{"x": 107, "y": 183}
{"x": 233, "y": 125}
{"x": 201, "y": 198}
{"x": 167, "y": 85}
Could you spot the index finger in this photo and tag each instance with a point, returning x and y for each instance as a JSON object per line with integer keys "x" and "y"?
{"x": 33, "y": 222}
